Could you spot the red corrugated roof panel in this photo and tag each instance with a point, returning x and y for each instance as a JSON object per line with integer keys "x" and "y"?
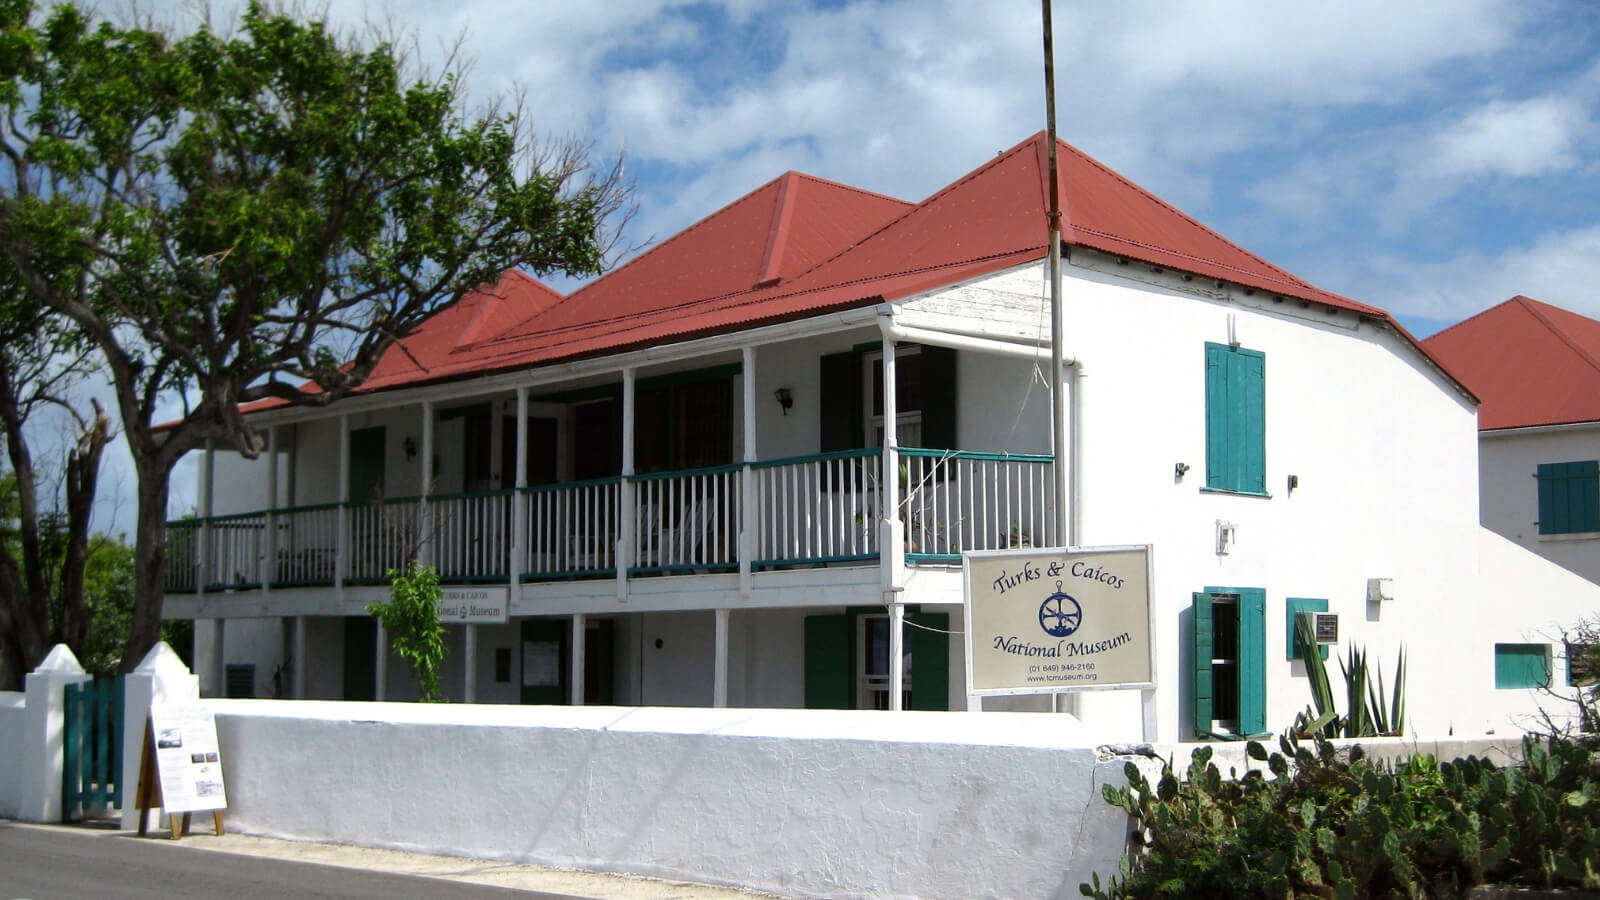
{"x": 1531, "y": 363}
{"x": 799, "y": 246}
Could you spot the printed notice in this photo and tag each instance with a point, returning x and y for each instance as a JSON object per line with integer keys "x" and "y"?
{"x": 188, "y": 760}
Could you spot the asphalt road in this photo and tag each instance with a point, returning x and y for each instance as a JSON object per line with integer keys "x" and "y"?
{"x": 62, "y": 863}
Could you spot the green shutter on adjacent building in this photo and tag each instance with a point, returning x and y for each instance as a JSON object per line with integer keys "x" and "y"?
{"x": 930, "y": 660}
{"x": 1569, "y": 497}
{"x": 828, "y": 680}
{"x": 1202, "y": 664}
{"x": 1235, "y": 419}
{"x": 1521, "y": 666}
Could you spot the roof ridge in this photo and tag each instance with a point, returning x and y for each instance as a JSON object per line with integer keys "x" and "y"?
{"x": 1185, "y": 216}
{"x": 1531, "y": 305}
{"x": 778, "y": 232}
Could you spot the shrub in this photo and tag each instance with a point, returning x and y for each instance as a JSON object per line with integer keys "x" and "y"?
{"x": 1332, "y": 823}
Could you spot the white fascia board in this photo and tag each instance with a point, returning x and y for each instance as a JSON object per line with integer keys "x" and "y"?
{"x": 1525, "y": 430}
{"x": 556, "y": 373}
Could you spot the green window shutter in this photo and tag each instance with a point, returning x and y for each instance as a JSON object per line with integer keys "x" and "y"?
{"x": 1521, "y": 666}
{"x": 1235, "y": 419}
{"x": 840, "y": 427}
{"x": 930, "y": 660}
{"x": 1219, "y": 461}
{"x": 1292, "y": 608}
{"x": 1202, "y": 664}
{"x": 1569, "y": 497}
{"x": 1247, "y": 387}
{"x": 1252, "y": 661}
{"x": 828, "y": 668}
{"x": 938, "y": 398}
{"x": 241, "y": 680}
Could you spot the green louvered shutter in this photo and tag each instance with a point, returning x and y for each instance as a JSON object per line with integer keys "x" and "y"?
{"x": 1218, "y": 458}
{"x": 1569, "y": 497}
{"x": 1235, "y": 419}
{"x": 1247, "y": 389}
{"x": 828, "y": 667}
{"x": 1202, "y": 664}
{"x": 1252, "y": 661}
{"x": 930, "y": 660}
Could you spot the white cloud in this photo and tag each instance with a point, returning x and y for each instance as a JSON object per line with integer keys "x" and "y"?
{"x": 1519, "y": 140}
{"x": 1561, "y": 268}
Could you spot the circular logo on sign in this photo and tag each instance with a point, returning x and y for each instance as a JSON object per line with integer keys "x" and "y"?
{"x": 1059, "y": 614}
{"x": 463, "y": 609}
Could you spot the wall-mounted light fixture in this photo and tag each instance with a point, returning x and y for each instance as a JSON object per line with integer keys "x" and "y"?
{"x": 410, "y": 446}
{"x": 1294, "y": 482}
{"x": 1179, "y": 470}
{"x": 785, "y": 399}
{"x": 1227, "y": 533}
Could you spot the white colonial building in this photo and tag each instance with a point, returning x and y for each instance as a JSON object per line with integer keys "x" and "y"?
{"x": 727, "y": 472}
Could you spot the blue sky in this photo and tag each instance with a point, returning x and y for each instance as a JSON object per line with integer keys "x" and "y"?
{"x": 1432, "y": 158}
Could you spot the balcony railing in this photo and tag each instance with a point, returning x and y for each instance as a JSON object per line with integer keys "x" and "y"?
{"x": 803, "y": 511}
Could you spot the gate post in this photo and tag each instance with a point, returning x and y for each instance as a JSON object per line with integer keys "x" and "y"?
{"x": 39, "y": 799}
{"x": 161, "y": 677}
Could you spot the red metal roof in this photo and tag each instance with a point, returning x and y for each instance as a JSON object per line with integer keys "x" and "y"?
{"x": 800, "y": 246}
{"x": 1530, "y": 362}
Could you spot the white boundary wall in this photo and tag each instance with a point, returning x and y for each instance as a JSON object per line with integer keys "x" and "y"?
{"x": 13, "y": 709}
{"x": 799, "y": 802}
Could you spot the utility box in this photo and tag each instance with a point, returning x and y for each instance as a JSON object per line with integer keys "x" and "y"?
{"x": 1380, "y": 590}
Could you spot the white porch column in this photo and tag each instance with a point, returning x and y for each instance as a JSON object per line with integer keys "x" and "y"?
{"x": 269, "y": 546}
{"x": 469, "y": 690}
{"x": 628, "y": 541}
{"x": 519, "y": 502}
{"x": 380, "y": 665}
{"x": 747, "y": 476}
{"x": 580, "y": 627}
{"x": 300, "y": 664}
{"x": 208, "y": 556}
{"x": 219, "y": 664}
{"x": 719, "y": 683}
{"x": 342, "y": 554}
{"x": 892, "y": 546}
{"x": 39, "y": 795}
{"x": 425, "y": 539}
{"x": 897, "y": 654}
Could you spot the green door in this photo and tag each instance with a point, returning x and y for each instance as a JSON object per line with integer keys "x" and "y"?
{"x": 360, "y": 658}
{"x": 366, "y": 465}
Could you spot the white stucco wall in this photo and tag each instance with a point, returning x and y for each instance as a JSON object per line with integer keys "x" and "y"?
{"x": 1508, "y": 461}
{"x": 801, "y": 803}
{"x": 13, "y": 709}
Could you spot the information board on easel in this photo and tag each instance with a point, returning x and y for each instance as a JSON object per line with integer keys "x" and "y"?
{"x": 180, "y": 770}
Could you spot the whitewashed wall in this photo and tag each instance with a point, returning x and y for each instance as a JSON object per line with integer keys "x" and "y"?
{"x": 1385, "y": 452}
{"x": 1510, "y": 492}
{"x": 801, "y": 803}
{"x": 13, "y": 707}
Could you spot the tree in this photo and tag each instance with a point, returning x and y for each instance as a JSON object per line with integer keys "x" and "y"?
{"x": 412, "y": 616}
{"x": 259, "y": 216}
{"x": 44, "y": 536}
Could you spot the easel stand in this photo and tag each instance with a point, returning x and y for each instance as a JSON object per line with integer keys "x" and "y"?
{"x": 149, "y": 797}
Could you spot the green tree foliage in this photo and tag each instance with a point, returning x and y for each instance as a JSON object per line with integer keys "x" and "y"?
{"x": 1334, "y": 824}
{"x": 232, "y": 218}
{"x": 412, "y": 616}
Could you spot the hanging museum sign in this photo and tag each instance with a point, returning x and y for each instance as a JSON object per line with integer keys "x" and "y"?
{"x": 1052, "y": 620}
{"x": 473, "y": 606}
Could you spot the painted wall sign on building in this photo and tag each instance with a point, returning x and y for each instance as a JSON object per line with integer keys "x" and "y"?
{"x": 1050, "y": 620}
{"x": 473, "y": 605}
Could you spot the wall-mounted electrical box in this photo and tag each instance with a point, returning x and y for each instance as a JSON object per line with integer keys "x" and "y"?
{"x": 1380, "y": 590}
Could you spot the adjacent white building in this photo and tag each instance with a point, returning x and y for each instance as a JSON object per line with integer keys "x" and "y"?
{"x": 732, "y": 470}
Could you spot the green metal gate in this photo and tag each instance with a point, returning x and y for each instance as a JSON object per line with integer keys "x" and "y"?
{"x": 91, "y": 776}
